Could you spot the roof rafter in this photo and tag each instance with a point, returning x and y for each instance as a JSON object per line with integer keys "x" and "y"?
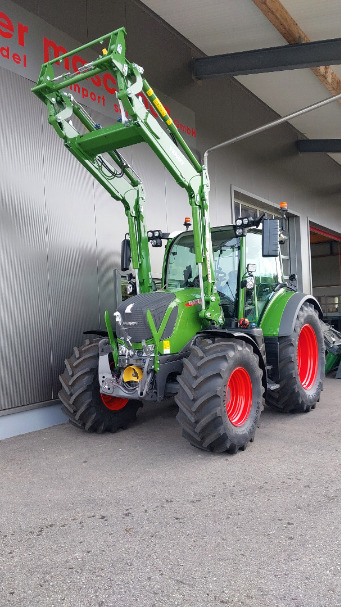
{"x": 277, "y": 58}
{"x": 329, "y": 146}
{"x": 281, "y": 19}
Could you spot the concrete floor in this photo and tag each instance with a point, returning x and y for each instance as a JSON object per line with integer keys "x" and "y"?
{"x": 142, "y": 519}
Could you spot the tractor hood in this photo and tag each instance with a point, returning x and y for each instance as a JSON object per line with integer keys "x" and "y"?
{"x": 133, "y": 321}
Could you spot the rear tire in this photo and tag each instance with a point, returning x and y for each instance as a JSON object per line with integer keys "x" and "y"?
{"x": 220, "y": 395}
{"x": 301, "y": 365}
{"x": 81, "y": 399}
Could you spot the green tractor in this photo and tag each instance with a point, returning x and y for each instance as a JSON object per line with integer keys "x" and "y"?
{"x": 224, "y": 332}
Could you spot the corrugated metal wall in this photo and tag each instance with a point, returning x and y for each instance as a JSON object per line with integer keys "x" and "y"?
{"x": 25, "y": 301}
{"x": 60, "y": 235}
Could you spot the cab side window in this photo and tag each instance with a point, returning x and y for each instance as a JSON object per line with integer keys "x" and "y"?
{"x": 182, "y": 269}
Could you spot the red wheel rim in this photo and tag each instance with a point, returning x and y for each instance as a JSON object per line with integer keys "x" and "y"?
{"x": 113, "y": 403}
{"x": 307, "y": 357}
{"x": 238, "y": 396}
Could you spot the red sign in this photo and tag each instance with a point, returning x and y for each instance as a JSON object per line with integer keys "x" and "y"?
{"x": 26, "y": 41}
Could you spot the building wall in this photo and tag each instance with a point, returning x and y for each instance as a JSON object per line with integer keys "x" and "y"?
{"x": 326, "y": 264}
{"x": 60, "y": 232}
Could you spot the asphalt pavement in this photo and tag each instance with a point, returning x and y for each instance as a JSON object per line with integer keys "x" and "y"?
{"x": 142, "y": 519}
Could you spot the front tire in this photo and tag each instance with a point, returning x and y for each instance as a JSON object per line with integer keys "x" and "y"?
{"x": 81, "y": 399}
{"x": 220, "y": 395}
{"x": 301, "y": 365}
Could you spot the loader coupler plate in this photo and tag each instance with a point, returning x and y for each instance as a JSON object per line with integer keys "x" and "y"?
{"x": 109, "y": 138}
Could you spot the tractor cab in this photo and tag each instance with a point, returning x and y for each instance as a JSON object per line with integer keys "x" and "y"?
{"x": 244, "y": 278}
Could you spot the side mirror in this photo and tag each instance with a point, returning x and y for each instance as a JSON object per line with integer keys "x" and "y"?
{"x": 125, "y": 255}
{"x": 270, "y": 238}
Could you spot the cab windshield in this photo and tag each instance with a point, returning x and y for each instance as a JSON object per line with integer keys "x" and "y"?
{"x": 182, "y": 270}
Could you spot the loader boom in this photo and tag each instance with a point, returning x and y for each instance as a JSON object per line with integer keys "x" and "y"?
{"x": 137, "y": 125}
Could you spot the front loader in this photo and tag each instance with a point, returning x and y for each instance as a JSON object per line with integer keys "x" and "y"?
{"x": 224, "y": 331}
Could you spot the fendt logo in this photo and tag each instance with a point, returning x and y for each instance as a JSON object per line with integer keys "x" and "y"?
{"x": 129, "y": 308}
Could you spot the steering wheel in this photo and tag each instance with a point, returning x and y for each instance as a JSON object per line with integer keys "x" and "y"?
{"x": 195, "y": 282}
{"x": 228, "y": 304}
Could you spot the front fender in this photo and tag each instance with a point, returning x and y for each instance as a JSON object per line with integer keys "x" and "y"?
{"x": 254, "y": 338}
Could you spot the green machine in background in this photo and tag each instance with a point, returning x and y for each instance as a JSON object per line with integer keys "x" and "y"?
{"x": 332, "y": 342}
{"x": 224, "y": 331}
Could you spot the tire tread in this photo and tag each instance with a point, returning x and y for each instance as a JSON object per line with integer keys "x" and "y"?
{"x": 80, "y": 395}
{"x": 201, "y": 393}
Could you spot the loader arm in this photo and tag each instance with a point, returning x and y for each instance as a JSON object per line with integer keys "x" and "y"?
{"x": 137, "y": 125}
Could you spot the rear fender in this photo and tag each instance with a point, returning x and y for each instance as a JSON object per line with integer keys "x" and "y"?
{"x": 291, "y": 309}
{"x": 278, "y": 319}
{"x": 283, "y": 326}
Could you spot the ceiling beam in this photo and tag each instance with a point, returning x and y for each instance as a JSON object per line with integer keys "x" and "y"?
{"x": 292, "y": 33}
{"x": 288, "y": 57}
{"x": 328, "y": 146}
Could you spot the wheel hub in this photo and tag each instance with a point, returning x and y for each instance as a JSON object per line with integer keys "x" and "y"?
{"x": 238, "y": 396}
{"x": 113, "y": 403}
{"x": 307, "y": 357}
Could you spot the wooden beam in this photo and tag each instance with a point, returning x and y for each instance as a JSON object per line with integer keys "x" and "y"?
{"x": 281, "y": 19}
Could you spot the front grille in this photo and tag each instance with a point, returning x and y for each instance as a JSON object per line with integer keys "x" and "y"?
{"x": 134, "y": 315}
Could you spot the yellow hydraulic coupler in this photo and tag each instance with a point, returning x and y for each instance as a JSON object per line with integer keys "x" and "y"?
{"x": 132, "y": 373}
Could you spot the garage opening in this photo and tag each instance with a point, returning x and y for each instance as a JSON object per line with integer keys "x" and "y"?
{"x": 326, "y": 273}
